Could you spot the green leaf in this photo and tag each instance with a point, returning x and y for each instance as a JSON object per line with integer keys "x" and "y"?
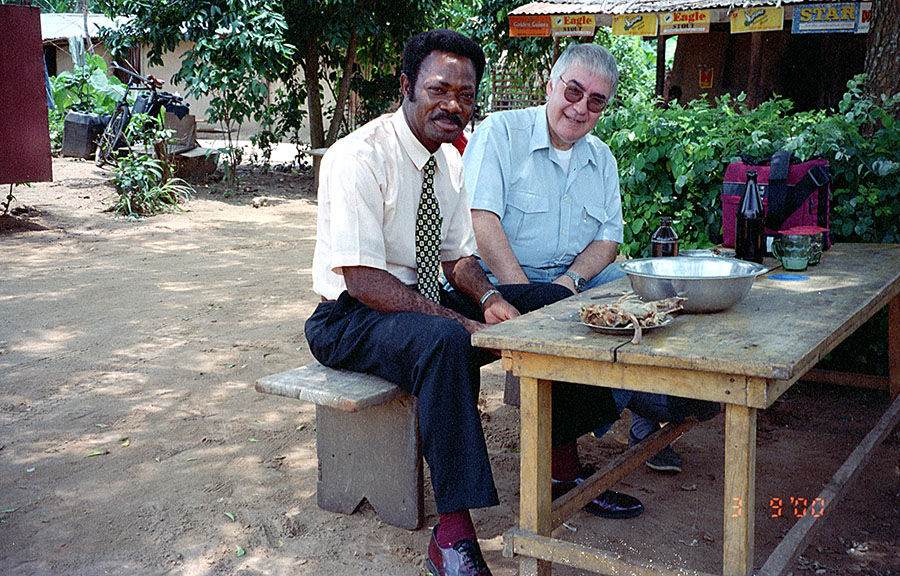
{"x": 230, "y": 516}
{"x": 240, "y": 551}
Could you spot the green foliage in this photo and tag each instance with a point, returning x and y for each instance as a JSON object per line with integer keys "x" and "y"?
{"x": 324, "y": 33}
{"x": 142, "y": 181}
{"x": 672, "y": 161}
{"x": 237, "y": 47}
{"x": 142, "y": 189}
{"x": 636, "y": 62}
{"x": 87, "y": 88}
{"x": 56, "y": 118}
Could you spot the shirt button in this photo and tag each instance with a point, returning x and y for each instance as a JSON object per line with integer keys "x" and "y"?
{"x": 565, "y": 197}
{"x": 563, "y": 231}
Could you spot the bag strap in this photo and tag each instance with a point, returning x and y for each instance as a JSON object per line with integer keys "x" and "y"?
{"x": 819, "y": 177}
{"x": 776, "y": 190}
{"x": 815, "y": 179}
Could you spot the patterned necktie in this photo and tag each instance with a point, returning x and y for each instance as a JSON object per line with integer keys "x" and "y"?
{"x": 428, "y": 237}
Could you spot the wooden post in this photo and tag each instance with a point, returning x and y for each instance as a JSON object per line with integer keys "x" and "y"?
{"x": 535, "y": 500}
{"x": 755, "y": 70}
{"x": 660, "y": 65}
{"x": 740, "y": 489}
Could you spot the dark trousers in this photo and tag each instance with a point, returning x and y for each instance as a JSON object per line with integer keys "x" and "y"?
{"x": 432, "y": 358}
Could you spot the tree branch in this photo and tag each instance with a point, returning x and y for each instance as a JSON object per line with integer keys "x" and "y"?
{"x": 343, "y": 89}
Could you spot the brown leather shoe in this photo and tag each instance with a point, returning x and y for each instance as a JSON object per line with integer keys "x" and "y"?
{"x": 609, "y": 504}
{"x": 462, "y": 559}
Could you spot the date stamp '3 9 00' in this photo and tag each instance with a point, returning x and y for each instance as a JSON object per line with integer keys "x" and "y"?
{"x": 796, "y": 506}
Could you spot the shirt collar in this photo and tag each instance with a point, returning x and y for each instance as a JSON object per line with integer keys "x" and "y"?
{"x": 540, "y": 134}
{"x": 411, "y": 145}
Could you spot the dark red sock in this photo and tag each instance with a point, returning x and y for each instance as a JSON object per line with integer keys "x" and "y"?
{"x": 454, "y": 527}
{"x": 565, "y": 464}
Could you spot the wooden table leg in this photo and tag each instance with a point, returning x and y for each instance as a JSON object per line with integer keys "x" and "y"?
{"x": 535, "y": 508}
{"x": 894, "y": 346}
{"x": 740, "y": 489}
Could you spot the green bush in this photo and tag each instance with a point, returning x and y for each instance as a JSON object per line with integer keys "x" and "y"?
{"x": 672, "y": 161}
{"x": 56, "y": 118}
{"x": 87, "y": 89}
{"x": 144, "y": 182}
{"x": 142, "y": 189}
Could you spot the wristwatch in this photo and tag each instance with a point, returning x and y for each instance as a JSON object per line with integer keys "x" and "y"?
{"x": 579, "y": 281}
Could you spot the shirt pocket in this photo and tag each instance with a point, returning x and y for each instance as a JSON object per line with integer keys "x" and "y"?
{"x": 593, "y": 216}
{"x": 526, "y": 214}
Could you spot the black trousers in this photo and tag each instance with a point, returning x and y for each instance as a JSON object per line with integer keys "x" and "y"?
{"x": 432, "y": 358}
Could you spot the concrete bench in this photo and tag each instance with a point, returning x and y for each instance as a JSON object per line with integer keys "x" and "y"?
{"x": 367, "y": 441}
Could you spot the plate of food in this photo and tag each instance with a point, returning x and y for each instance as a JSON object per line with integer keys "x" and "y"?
{"x": 626, "y": 330}
{"x": 629, "y": 315}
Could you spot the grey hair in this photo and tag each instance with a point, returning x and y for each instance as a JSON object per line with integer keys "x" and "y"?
{"x": 593, "y": 57}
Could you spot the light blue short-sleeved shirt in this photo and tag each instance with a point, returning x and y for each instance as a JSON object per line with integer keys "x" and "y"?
{"x": 549, "y": 216}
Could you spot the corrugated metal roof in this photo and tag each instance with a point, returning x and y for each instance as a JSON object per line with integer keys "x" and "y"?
{"x": 66, "y": 25}
{"x": 638, "y": 6}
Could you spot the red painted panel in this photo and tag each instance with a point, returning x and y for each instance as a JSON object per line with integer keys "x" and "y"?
{"x": 24, "y": 135}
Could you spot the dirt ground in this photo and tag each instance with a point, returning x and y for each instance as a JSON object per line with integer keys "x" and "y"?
{"x": 132, "y": 441}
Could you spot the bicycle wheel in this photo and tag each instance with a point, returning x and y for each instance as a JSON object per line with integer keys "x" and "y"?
{"x": 111, "y": 137}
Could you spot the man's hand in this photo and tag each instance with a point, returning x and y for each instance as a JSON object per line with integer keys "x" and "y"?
{"x": 497, "y": 310}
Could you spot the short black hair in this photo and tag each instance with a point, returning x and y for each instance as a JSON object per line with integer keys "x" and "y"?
{"x": 421, "y": 45}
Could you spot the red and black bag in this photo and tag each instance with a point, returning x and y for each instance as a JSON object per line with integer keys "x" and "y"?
{"x": 793, "y": 194}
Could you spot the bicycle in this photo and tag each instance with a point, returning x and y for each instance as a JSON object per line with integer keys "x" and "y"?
{"x": 113, "y": 136}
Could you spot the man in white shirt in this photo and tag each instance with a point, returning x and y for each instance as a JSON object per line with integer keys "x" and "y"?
{"x": 381, "y": 312}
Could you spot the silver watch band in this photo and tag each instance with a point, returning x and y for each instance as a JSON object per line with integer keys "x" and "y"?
{"x": 487, "y": 295}
{"x": 579, "y": 281}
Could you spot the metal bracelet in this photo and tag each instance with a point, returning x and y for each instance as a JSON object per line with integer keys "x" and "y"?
{"x": 488, "y": 294}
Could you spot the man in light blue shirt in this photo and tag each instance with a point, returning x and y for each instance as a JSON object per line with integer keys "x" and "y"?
{"x": 546, "y": 207}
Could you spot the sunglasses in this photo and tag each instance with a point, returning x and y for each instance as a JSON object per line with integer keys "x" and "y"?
{"x": 574, "y": 93}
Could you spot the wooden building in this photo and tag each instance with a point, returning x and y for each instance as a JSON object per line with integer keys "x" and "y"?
{"x": 799, "y": 49}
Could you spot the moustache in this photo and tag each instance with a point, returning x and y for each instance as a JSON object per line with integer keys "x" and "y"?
{"x": 451, "y": 117}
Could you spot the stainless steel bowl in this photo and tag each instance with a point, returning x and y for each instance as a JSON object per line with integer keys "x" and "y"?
{"x": 709, "y": 284}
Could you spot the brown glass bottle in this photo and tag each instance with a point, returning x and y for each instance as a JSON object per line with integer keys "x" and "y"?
{"x": 750, "y": 238}
{"x": 664, "y": 241}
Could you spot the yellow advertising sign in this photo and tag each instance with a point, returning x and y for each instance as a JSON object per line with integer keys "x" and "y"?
{"x": 635, "y": 25}
{"x": 529, "y": 25}
{"x": 573, "y": 25}
{"x": 760, "y": 19}
{"x": 684, "y": 22}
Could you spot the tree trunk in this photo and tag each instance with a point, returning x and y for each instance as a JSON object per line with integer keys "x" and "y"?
{"x": 883, "y": 49}
{"x": 313, "y": 94}
{"x": 343, "y": 90}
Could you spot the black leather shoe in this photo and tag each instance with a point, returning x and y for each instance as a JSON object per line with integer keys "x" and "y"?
{"x": 609, "y": 504}
{"x": 462, "y": 559}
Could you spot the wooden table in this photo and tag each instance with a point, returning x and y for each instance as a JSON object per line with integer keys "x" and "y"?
{"x": 744, "y": 357}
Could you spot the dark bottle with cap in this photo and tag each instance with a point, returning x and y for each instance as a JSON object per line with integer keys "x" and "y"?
{"x": 664, "y": 241}
{"x": 750, "y": 237}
